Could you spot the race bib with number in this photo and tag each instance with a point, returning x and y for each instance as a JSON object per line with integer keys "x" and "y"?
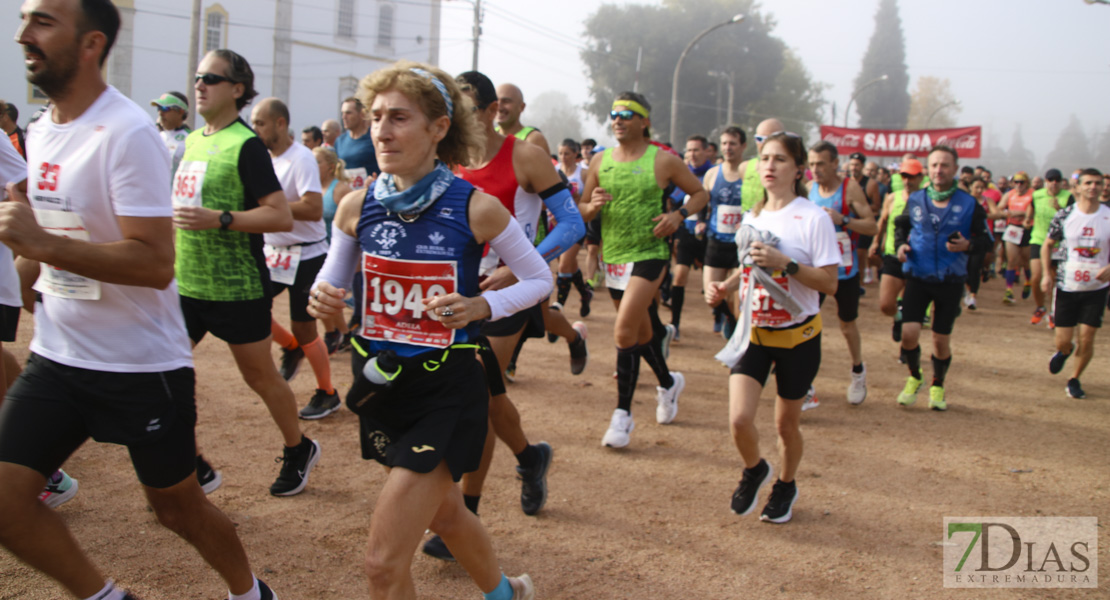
{"x": 392, "y": 305}
{"x": 283, "y": 262}
{"x": 54, "y": 281}
{"x": 1013, "y": 234}
{"x": 187, "y": 183}
{"x": 765, "y": 311}
{"x": 358, "y": 178}
{"x": 1082, "y": 276}
{"x": 844, "y": 243}
{"x": 617, "y": 276}
{"x": 728, "y": 218}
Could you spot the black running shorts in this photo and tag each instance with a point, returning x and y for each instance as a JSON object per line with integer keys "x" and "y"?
{"x": 302, "y": 286}
{"x": 892, "y": 266}
{"x": 721, "y": 255}
{"x": 1074, "y": 308}
{"x": 53, "y": 408}
{"x": 847, "y": 299}
{"x": 649, "y": 269}
{"x": 688, "y": 248}
{"x": 530, "y": 320}
{"x": 9, "y": 323}
{"x": 795, "y": 368}
{"x": 944, "y": 296}
{"x": 593, "y": 232}
{"x": 236, "y": 322}
{"x": 428, "y": 417}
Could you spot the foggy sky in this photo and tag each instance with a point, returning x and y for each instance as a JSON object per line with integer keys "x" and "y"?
{"x": 1033, "y": 62}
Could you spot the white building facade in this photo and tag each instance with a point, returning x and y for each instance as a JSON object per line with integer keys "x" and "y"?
{"x": 309, "y": 53}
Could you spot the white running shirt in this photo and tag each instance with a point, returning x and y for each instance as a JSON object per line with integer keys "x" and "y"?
{"x": 107, "y": 163}
{"x": 1086, "y": 238}
{"x": 299, "y": 174}
{"x": 12, "y": 169}
{"x": 807, "y": 235}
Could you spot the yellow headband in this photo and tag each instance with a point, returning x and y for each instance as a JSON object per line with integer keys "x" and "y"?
{"x": 634, "y": 106}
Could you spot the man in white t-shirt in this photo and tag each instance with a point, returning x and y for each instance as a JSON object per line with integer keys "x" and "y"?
{"x": 13, "y": 171}
{"x": 1082, "y": 233}
{"x": 296, "y": 256}
{"x": 110, "y": 355}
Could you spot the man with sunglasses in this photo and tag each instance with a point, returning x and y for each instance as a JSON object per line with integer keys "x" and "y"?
{"x": 173, "y": 108}
{"x": 1046, "y": 203}
{"x": 226, "y": 195}
{"x": 892, "y": 280}
{"x": 110, "y": 357}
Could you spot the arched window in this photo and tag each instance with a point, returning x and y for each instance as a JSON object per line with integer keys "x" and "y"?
{"x": 215, "y": 28}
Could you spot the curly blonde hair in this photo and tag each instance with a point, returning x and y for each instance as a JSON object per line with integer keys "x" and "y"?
{"x": 464, "y": 143}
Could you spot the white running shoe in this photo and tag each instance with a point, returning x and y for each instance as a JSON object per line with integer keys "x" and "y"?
{"x": 811, "y": 400}
{"x": 668, "y": 399}
{"x": 523, "y": 589}
{"x": 620, "y": 426}
{"x": 857, "y": 390}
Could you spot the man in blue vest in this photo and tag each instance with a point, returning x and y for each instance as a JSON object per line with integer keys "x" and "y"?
{"x": 940, "y": 227}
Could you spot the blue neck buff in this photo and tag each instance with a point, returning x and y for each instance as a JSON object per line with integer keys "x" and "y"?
{"x": 413, "y": 201}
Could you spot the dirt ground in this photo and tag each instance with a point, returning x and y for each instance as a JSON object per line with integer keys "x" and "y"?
{"x": 652, "y": 520}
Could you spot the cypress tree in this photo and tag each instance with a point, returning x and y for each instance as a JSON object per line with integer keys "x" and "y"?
{"x": 885, "y": 104}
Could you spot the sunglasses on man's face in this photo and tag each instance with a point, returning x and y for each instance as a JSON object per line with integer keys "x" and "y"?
{"x": 211, "y": 78}
{"x": 624, "y": 115}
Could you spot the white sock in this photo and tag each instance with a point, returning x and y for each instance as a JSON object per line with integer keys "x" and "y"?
{"x": 253, "y": 594}
{"x": 109, "y": 592}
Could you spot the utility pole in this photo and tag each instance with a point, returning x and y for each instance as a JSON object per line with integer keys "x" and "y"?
{"x": 194, "y": 50}
{"x": 639, "y": 59}
{"x": 477, "y": 32}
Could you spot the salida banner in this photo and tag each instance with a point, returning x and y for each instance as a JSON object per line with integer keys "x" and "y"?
{"x": 967, "y": 141}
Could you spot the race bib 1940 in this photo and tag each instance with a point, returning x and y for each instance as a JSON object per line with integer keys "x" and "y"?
{"x": 392, "y": 304}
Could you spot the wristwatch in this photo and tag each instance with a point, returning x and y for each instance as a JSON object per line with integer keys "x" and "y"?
{"x": 682, "y": 211}
{"x": 792, "y": 267}
{"x": 225, "y": 220}
{"x": 847, "y": 220}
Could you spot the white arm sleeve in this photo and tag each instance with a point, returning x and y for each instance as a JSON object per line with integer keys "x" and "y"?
{"x": 339, "y": 267}
{"x": 532, "y": 273}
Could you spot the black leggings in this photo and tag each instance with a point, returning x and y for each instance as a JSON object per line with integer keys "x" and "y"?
{"x": 975, "y": 271}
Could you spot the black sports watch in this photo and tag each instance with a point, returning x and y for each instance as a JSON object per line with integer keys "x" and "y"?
{"x": 847, "y": 219}
{"x": 792, "y": 267}
{"x": 682, "y": 211}
{"x": 225, "y": 220}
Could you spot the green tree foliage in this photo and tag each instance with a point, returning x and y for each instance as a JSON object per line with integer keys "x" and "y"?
{"x": 932, "y": 97}
{"x": 761, "y": 64}
{"x": 1072, "y": 151}
{"x": 886, "y": 104}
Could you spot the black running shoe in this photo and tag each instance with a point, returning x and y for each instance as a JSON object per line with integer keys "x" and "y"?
{"x": 296, "y": 464}
{"x": 533, "y": 481}
{"x": 291, "y": 362}
{"x": 435, "y": 548}
{"x": 332, "y": 340}
{"x": 265, "y": 592}
{"x": 587, "y": 297}
{"x": 1056, "y": 363}
{"x": 579, "y": 354}
{"x": 321, "y": 405}
{"x": 1073, "y": 389}
{"x": 780, "y": 506}
{"x": 743, "y": 499}
{"x": 208, "y": 477}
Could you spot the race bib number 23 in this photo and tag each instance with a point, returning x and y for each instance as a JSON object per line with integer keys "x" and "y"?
{"x": 393, "y": 306}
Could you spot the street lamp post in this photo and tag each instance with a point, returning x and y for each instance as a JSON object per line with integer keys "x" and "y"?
{"x": 848, "y": 112}
{"x": 940, "y": 108}
{"x": 677, "y": 67}
{"x": 731, "y": 90}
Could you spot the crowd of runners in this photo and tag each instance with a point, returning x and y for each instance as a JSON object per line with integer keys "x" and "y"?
{"x": 427, "y": 234}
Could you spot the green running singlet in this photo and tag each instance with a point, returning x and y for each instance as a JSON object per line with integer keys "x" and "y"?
{"x": 522, "y": 135}
{"x": 626, "y": 220}
{"x": 752, "y": 189}
{"x": 1043, "y": 213}
{"x": 896, "y": 209}
{"x": 212, "y": 264}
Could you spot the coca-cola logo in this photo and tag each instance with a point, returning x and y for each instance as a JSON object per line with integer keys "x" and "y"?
{"x": 963, "y": 142}
{"x": 843, "y": 141}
